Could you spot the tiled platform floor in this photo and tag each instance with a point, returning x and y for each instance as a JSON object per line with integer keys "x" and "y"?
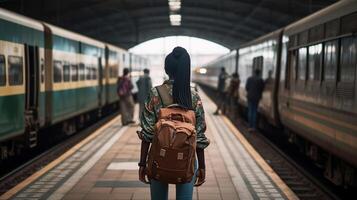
{"x": 105, "y": 167}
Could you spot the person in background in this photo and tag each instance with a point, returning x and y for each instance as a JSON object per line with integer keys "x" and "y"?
{"x": 233, "y": 91}
{"x": 254, "y": 88}
{"x": 124, "y": 87}
{"x": 221, "y": 89}
{"x": 144, "y": 86}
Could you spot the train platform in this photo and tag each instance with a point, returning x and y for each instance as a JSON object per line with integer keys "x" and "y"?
{"x": 104, "y": 166}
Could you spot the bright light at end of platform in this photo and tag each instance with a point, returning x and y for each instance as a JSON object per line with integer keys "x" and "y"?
{"x": 203, "y": 70}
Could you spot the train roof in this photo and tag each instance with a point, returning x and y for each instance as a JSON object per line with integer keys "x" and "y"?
{"x": 264, "y": 38}
{"x": 334, "y": 11}
{"x": 220, "y": 58}
{"x": 74, "y": 36}
{"x": 20, "y": 19}
{"x": 115, "y": 48}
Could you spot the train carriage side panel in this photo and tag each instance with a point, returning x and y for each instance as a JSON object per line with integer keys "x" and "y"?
{"x": 95, "y": 51}
{"x": 16, "y": 35}
{"x": 264, "y": 54}
{"x": 113, "y": 68}
{"x": 76, "y": 64}
{"x": 317, "y": 98}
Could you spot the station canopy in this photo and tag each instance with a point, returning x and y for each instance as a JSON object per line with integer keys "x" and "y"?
{"x": 127, "y": 23}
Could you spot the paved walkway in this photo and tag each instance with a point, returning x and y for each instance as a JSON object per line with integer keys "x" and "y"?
{"x": 104, "y": 166}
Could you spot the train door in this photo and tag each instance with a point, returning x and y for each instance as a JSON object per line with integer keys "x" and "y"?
{"x": 32, "y": 93}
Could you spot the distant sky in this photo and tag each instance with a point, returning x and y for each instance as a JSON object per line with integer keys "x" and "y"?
{"x": 165, "y": 45}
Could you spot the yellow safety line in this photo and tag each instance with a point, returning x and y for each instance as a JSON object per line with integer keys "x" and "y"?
{"x": 267, "y": 169}
{"x": 54, "y": 163}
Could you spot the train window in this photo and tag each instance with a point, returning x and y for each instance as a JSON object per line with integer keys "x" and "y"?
{"x": 348, "y": 59}
{"x": 2, "y": 71}
{"x": 88, "y": 72}
{"x": 42, "y": 70}
{"x": 315, "y": 56}
{"x": 94, "y": 73}
{"x": 81, "y": 72}
{"x": 57, "y": 74}
{"x": 15, "y": 70}
{"x": 258, "y": 64}
{"x": 291, "y": 67}
{"x": 330, "y": 61}
{"x": 302, "y": 61}
{"x": 74, "y": 72}
{"x": 66, "y": 72}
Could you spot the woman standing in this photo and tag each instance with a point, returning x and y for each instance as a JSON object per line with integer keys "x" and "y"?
{"x": 177, "y": 67}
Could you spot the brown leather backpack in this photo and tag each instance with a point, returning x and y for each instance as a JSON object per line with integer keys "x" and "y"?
{"x": 173, "y": 150}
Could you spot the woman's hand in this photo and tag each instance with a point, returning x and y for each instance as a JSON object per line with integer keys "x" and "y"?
{"x": 201, "y": 177}
{"x": 142, "y": 175}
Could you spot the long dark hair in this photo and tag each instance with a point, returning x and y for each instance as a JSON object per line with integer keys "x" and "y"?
{"x": 178, "y": 67}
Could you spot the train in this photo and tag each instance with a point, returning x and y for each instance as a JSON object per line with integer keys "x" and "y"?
{"x": 309, "y": 69}
{"x": 52, "y": 77}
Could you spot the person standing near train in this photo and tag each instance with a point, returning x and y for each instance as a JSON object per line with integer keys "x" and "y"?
{"x": 221, "y": 89}
{"x": 144, "y": 85}
{"x": 124, "y": 88}
{"x": 233, "y": 92}
{"x": 254, "y": 88}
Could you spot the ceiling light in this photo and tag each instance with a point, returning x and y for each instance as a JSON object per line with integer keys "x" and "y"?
{"x": 175, "y": 20}
{"x": 175, "y": 23}
{"x": 174, "y": 9}
{"x": 175, "y": 17}
{"x": 174, "y": 5}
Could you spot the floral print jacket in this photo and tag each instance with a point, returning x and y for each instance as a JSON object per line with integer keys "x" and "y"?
{"x": 152, "y": 106}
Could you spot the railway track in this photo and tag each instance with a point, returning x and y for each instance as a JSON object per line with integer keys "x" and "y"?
{"x": 299, "y": 179}
{"x": 298, "y": 175}
{"x": 36, "y": 161}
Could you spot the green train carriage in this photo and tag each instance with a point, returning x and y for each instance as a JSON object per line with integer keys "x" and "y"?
{"x": 22, "y": 47}
{"x": 51, "y": 77}
{"x": 77, "y": 85}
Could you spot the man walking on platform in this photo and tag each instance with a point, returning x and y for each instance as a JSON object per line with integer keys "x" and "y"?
{"x": 124, "y": 87}
{"x": 144, "y": 86}
{"x": 254, "y": 88}
{"x": 221, "y": 89}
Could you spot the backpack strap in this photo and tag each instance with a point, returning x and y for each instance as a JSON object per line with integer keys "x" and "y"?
{"x": 164, "y": 94}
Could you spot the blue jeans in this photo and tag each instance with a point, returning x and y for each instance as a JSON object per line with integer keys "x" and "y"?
{"x": 252, "y": 114}
{"x": 160, "y": 191}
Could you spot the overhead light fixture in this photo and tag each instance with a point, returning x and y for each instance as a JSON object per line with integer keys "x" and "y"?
{"x": 174, "y": 9}
{"x": 175, "y": 19}
{"x": 175, "y": 23}
{"x": 174, "y": 5}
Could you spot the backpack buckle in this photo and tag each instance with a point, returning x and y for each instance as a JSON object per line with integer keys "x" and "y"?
{"x": 162, "y": 152}
{"x": 179, "y": 156}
